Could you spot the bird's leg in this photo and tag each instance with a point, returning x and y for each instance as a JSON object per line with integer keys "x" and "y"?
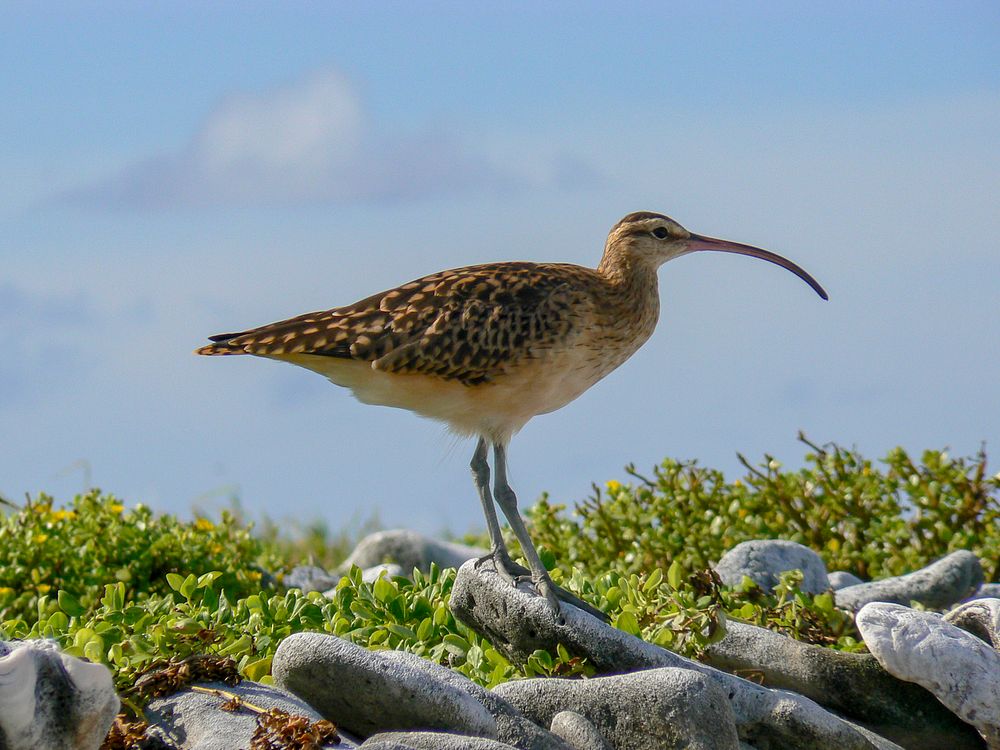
{"x": 505, "y": 567}
{"x": 507, "y": 501}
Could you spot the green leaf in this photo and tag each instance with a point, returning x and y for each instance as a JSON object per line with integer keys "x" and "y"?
{"x": 626, "y": 621}
{"x": 653, "y": 581}
{"x": 175, "y": 581}
{"x": 384, "y": 589}
{"x": 402, "y": 631}
{"x": 675, "y": 574}
{"x": 456, "y": 644}
{"x": 70, "y": 604}
{"x": 257, "y": 669}
{"x": 425, "y": 629}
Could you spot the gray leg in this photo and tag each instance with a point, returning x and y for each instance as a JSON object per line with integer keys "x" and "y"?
{"x": 507, "y": 501}
{"x": 506, "y": 567}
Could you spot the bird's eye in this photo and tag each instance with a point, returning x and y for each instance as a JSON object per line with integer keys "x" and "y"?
{"x": 660, "y": 233}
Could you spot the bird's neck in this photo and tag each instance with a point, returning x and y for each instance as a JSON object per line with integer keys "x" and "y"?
{"x": 633, "y": 305}
{"x": 632, "y": 277}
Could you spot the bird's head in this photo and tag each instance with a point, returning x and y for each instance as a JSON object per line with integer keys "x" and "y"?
{"x": 650, "y": 239}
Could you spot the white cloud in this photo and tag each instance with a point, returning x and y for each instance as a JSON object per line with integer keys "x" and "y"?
{"x": 309, "y": 142}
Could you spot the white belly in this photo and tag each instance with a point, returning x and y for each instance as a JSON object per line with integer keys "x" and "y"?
{"x": 497, "y": 409}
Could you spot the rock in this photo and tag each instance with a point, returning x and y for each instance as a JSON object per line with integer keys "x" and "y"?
{"x": 512, "y": 727}
{"x": 309, "y": 578}
{"x": 191, "y": 720}
{"x": 578, "y": 731}
{"x": 988, "y": 591}
{"x": 517, "y": 623}
{"x": 50, "y": 700}
{"x": 961, "y": 670}
{"x": 372, "y": 574}
{"x": 431, "y": 741}
{"x": 764, "y": 559}
{"x": 377, "y": 691}
{"x": 647, "y": 710}
{"x": 981, "y": 617}
{"x": 840, "y": 579}
{"x": 939, "y": 585}
{"x": 409, "y": 550}
{"x": 853, "y": 685}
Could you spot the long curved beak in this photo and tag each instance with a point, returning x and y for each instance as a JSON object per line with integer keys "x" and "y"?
{"x": 698, "y": 242}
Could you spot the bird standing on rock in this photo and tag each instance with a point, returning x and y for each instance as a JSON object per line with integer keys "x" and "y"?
{"x": 485, "y": 348}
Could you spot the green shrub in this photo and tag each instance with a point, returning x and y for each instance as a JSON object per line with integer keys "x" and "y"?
{"x": 128, "y": 588}
{"x": 872, "y": 522}
{"x": 95, "y": 540}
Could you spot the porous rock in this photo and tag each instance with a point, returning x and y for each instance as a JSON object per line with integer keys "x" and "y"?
{"x": 191, "y": 720}
{"x": 409, "y": 549}
{"x": 431, "y": 741}
{"x": 647, "y": 710}
{"x": 578, "y": 731}
{"x": 518, "y": 621}
{"x": 841, "y": 579}
{"x": 379, "y": 691}
{"x": 50, "y": 700}
{"x": 939, "y": 585}
{"x": 961, "y": 670}
{"x": 763, "y": 560}
{"x": 512, "y": 726}
{"x": 853, "y": 685}
{"x": 981, "y": 617}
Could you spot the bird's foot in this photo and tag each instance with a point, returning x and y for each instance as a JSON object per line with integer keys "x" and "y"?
{"x": 513, "y": 573}
{"x": 506, "y": 568}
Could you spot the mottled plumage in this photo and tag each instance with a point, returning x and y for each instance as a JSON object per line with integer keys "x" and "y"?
{"x": 486, "y": 348}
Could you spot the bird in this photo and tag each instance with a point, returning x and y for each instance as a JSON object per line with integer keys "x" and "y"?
{"x": 485, "y": 348}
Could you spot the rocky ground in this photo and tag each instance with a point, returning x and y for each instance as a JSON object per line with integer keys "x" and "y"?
{"x": 930, "y": 681}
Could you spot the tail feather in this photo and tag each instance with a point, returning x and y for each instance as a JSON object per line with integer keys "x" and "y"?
{"x": 220, "y": 345}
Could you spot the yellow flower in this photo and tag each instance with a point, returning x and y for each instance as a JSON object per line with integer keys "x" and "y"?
{"x": 41, "y": 538}
{"x": 6, "y": 590}
{"x": 203, "y": 524}
{"x": 116, "y": 507}
{"x": 60, "y": 515}
{"x": 613, "y": 486}
{"x": 43, "y": 588}
{"x": 254, "y": 575}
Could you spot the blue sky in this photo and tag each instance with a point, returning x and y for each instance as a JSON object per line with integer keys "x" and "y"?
{"x": 174, "y": 171}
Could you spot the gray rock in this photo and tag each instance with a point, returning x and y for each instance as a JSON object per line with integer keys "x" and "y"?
{"x": 764, "y": 559}
{"x": 191, "y": 720}
{"x": 389, "y": 570}
{"x": 431, "y": 741}
{"x": 988, "y": 591}
{"x": 377, "y": 691}
{"x": 409, "y": 550}
{"x": 648, "y": 710}
{"x": 841, "y": 579}
{"x": 512, "y": 727}
{"x": 578, "y": 731}
{"x": 981, "y": 617}
{"x": 961, "y": 670}
{"x": 310, "y": 578}
{"x": 517, "y": 623}
{"x": 50, "y": 700}
{"x": 939, "y": 585}
{"x": 853, "y": 685}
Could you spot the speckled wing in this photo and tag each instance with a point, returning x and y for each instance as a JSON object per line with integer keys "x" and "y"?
{"x": 468, "y": 324}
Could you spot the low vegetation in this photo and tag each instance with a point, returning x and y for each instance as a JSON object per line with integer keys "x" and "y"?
{"x": 129, "y": 588}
